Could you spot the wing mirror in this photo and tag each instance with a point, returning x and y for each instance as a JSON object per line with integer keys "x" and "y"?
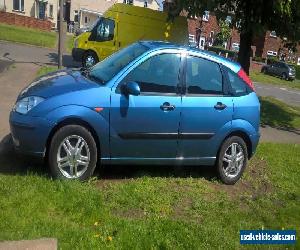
{"x": 131, "y": 88}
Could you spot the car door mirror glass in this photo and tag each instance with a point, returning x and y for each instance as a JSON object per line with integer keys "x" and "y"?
{"x": 131, "y": 88}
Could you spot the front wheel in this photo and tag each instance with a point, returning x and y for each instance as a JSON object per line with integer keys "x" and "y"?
{"x": 232, "y": 160}
{"x": 89, "y": 59}
{"x": 72, "y": 153}
{"x": 284, "y": 76}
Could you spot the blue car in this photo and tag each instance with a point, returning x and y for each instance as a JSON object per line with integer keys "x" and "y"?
{"x": 150, "y": 103}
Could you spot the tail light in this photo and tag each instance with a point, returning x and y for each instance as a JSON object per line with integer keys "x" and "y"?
{"x": 242, "y": 74}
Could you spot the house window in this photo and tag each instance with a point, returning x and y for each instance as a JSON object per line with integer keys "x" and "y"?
{"x": 76, "y": 16}
{"x": 51, "y": 10}
{"x": 191, "y": 38}
{"x": 128, "y": 1}
{"x": 228, "y": 19}
{"x": 18, "y": 5}
{"x": 273, "y": 34}
{"x": 205, "y": 16}
{"x": 271, "y": 53}
{"x": 235, "y": 46}
{"x": 145, "y": 3}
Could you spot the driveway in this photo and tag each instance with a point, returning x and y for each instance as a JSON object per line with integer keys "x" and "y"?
{"x": 287, "y": 95}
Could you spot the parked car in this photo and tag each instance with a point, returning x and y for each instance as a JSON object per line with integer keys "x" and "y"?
{"x": 281, "y": 69}
{"x": 150, "y": 103}
{"x": 122, "y": 25}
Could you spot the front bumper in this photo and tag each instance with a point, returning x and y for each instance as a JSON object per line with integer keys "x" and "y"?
{"x": 77, "y": 54}
{"x": 29, "y": 133}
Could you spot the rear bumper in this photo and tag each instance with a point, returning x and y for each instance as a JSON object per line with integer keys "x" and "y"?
{"x": 29, "y": 133}
{"x": 77, "y": 54}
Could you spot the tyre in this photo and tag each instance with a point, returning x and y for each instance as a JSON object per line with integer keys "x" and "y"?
{"x": 232, "y": 160}
{"x": 72, "y": 153}
{"x": 89, "y": 59}
{"x": 284, "y": 76}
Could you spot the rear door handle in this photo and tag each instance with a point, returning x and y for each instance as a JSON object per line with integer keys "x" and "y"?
{"x": 220, "y": 106}
{"x": 166, "y": 106}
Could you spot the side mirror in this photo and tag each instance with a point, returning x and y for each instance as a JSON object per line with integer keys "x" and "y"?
{"x": 131, "y": 88}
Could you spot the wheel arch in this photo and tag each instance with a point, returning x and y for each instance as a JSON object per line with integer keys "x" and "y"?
{"x": 73, "y": 121}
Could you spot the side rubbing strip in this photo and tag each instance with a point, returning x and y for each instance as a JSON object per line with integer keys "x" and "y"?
{"x": 169, "y": 136}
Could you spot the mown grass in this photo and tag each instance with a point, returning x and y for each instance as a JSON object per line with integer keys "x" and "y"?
{"x": 267, "y": 79}
{"x": 155, "y": 210}
{"x": 277, "y": 114}
{"x": 45, "y": 70}
{"x": 28, "y": 36}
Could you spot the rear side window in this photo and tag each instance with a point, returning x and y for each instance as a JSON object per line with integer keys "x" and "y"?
{"x": 238, "y": 86}
{"x": 203, "y": 76}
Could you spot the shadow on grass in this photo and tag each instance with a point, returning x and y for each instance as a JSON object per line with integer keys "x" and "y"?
{"x": 12, "y": 163}
{"x": 277, "y": 115}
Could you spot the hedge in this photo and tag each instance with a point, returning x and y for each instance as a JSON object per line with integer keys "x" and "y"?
{"x": 223, "y": 51}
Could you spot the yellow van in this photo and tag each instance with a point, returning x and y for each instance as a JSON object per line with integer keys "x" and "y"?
{"x": 122, "y": 25}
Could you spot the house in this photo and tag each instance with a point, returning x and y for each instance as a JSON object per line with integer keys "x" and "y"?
{"x": 85, "y": 13}
{"x": 36, "y": 9}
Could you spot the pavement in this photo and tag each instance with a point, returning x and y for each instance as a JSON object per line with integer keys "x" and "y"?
{"x": 39, "y": 244}
{"x": 287, "y": 95}
{"x": 21, "y": 53}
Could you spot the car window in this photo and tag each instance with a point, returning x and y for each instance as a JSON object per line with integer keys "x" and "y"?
{"x": 110, "y": 66}
{"x": 203, "y": 76}
{"x": 158, "y": 74}
{"x": 237, "y": 84}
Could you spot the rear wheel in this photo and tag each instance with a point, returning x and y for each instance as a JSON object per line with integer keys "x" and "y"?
{"x": 264, "y": 71}
{"x": 89, "y": 59}
{"x": 73, "y": 153}
{"x": 232, "y": 160}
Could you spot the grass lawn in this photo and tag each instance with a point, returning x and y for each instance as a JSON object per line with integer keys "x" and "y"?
{"x": 28, "y": 36}
{"x": 278, "y": 114}
{"x": 46, "y": 69}
{"x": 155, "y": 208}
{"x": 267, "y": 79}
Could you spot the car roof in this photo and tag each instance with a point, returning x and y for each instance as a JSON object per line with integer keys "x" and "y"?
{"x": 157, "y": 45}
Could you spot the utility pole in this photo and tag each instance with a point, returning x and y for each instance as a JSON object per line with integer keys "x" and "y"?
{"x": 60, "y": 35}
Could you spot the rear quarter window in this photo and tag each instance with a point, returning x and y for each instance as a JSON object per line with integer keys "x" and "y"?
{"x": 237, "y": 85}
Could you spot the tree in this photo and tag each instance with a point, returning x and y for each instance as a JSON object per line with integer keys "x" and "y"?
{"x": 253, "y": 17}
{"x": 224, "y": 34}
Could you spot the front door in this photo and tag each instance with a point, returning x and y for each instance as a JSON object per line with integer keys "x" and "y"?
{"x": 206, "y": 112}
{"x": 145, "y": 128}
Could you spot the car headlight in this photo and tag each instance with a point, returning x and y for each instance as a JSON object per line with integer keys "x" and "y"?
{"x": 76, "y": 43}
{"x": 27, "y": 103}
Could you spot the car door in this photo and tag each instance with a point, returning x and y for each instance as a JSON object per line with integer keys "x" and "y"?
{"x": 206, "y": 111}
{"x": 145, "y": 127}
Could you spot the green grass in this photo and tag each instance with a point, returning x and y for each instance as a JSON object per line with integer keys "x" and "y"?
{"x": 27, "y": 36}
{"x": 267, "y": 79}
{"x": 46, "y": 69}
{"x": 278, "y": 114}
{"x": 69, "y": 43}
{"x": 155, "y": 209}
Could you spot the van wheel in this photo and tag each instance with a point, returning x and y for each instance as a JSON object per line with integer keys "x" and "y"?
{"x": 232, "y": 160}
{"x": 72, "y": 153}
{"x": 284, "y": 76}
{"x": 89, "y": 59}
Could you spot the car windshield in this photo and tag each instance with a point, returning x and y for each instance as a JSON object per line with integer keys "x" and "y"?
{"x": 109, "y": 67}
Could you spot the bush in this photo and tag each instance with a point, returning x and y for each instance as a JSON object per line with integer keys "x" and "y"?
{"x": 258, "y": 59}
{"x": 297, "y": 67}
{"x": 231, "y": 54}
{"x": 272, "y": 59}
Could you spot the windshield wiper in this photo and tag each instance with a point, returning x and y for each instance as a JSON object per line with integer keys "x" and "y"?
{"x": 87, "y": 73}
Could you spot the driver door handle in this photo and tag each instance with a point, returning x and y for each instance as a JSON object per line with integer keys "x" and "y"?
{"x": 166, "y": 106}
{"x": 220, "y": 106}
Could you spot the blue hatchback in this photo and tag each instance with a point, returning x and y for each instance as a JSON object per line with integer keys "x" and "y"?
{"x": 150, "y": 103}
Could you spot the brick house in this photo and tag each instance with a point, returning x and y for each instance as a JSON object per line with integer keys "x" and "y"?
{"x": 31, "y": 13}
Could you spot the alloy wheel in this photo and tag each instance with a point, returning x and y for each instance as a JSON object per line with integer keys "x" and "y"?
{"x": 73, "y": 157}
{"x": 233, "y": 160}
